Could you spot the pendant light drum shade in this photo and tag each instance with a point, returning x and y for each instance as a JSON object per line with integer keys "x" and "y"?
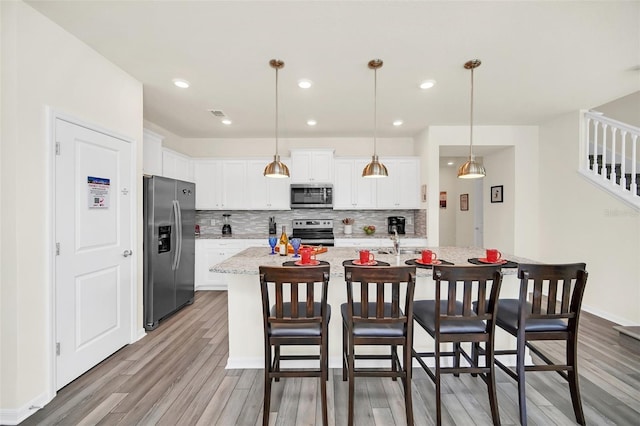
{"x": 471, "y": 169}
{"x": 375, "y": 169}
{"x": 276, "y": 169}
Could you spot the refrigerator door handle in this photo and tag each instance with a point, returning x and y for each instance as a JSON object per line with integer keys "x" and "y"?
{"x": 176, "y": 220}
{"x": 179, "y": 210}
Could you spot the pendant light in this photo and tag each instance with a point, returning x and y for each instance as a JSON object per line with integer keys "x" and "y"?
{"x": 471, "y": 169}
{"x": 375, "y": 169}
{"x": 276, "y": 169}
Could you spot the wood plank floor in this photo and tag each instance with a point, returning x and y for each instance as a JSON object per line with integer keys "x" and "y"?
{"x": 176, "y": 376}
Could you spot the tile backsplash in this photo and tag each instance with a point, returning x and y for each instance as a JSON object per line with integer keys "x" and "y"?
{"x": 252, "y": 222}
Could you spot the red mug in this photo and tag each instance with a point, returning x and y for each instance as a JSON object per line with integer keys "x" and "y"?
{"x": 428, "y": 256}
{"x": 307, "y": 254}
{"x": 366, "y": 256}
{"x": 493, "y": 255}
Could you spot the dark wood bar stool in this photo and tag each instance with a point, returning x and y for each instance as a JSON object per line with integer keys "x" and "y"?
{"x": 453, "y": 317}
{"x": 552, "y": 314}
{"x": 299, "y": 316}
{"x": 384, "y": 321}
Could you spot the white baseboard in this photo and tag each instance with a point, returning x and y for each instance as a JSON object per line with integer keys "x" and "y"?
{"x": 214, "y": 287}
{"x": 609, "y": 316}
{"x": 141, "y": 333}
{"x": 10, "y": 416}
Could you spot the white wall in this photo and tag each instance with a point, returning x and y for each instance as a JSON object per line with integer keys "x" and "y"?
{"x": 42, "y": 65}
{"x": 523, "y": 189}
{"x": 456, "y": 226}
{"x": 499, "y": 218}
{"x": 625, "y": 109}
{"x": 579, "y": 222}
{"x": 261, "y": 147}
{"x": 448, "y": 182}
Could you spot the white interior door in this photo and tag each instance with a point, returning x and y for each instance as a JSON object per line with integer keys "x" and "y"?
{"x": 93, "y": 236}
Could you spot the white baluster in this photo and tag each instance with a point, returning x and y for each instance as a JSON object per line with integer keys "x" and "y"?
{"x": 623, "y": 163}
{"x": 614, "y": 130}
{"x": 586, "y": 141}
{"x": 595, "y": 147}
{"x": 634, "y": 162}
{"x": 603, "y": 174}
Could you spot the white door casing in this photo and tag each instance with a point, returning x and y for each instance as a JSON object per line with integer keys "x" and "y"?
{"x": 93, "y": 235}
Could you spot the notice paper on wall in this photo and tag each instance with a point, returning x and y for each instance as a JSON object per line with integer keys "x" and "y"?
{"x": 98, "y": 192}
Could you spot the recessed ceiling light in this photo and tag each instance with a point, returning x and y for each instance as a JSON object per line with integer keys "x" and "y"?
{"x": 183, "y": 84}
{"x": 304, "y": 84}
{"x": 397, "y": 122}
{"x": 312, "y": 122}
{"x": 450, "y": 163}
{"x": 226, "y": 121}
{"x": 428, "y": 84}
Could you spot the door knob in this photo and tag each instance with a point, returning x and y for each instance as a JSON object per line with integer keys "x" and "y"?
{"x": 127, "y": 253}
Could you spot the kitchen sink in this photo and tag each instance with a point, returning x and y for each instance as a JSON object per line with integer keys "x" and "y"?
{"x": 406, "y": 250}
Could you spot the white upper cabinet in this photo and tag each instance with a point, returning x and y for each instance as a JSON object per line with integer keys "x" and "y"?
{"x": 401, "y": 189}
{"x": 207, "y": 174}
{"x": 152, "y": 153}
{"x": 265, "y": 193}
{"x": 176, "y": 165}
{"x": 234, "y": 181}
{"x": 238, "y": 184}
{"x": 350, "y": 189}
{"x": 311, "y": 166}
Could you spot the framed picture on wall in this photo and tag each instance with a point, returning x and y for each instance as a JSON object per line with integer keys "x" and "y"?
{"x": 496, "y": 194}
{"x": 464, "y": 202}
{"x": 443, "y": 199}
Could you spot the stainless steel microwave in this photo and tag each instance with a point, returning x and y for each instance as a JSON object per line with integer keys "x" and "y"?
{"x": 311, "y": 196}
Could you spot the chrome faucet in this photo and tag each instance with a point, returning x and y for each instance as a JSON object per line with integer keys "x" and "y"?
{"x": 396, "y": 241}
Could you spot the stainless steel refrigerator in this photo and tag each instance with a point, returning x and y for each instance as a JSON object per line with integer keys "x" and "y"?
{"x": 169, "y": 247}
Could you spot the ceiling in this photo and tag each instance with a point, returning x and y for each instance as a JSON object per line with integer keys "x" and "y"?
{"x": 539, "y": 59}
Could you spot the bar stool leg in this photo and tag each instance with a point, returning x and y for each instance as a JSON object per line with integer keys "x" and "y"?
{"x": 572, "y": 375}
{"x": 267, "y": 385}
{"x": 345, "y": 351}
{"x": 522, "y": 397}
{"x": 491, "y": 382}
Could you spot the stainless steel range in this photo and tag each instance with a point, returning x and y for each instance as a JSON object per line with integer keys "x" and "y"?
{"x": 314, "y": 231}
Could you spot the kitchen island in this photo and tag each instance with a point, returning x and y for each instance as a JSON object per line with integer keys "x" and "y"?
{"x": 244, "y": 300}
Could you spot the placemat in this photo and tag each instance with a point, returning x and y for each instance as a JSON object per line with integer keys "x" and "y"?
{"x": 509, "y": 263}
{"x": 293, "y": 263}
{"x": 349, "y": 262}
{"x": 413, "y": 262}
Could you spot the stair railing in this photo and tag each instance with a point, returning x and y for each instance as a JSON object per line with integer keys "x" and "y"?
{"x": 611, "y": 159}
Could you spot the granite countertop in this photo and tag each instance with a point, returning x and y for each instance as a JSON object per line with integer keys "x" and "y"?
{"x": 248, "y": 260}
{"x": 264, "y": 236}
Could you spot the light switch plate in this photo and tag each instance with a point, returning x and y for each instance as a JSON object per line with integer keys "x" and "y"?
{"x": 213, "y": 222}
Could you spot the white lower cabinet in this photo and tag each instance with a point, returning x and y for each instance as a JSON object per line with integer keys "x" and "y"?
{"x": 210, "y": 252}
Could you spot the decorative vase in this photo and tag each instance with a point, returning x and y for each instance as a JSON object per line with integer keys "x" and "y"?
{"x": 348, "y": 229}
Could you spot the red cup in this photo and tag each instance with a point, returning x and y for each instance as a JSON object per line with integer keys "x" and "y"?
{"x": 493, "y": 255}
{"x": 366, "y": 256}
{"x": 428, "y": 256}
{"x": 307, "y": 255}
